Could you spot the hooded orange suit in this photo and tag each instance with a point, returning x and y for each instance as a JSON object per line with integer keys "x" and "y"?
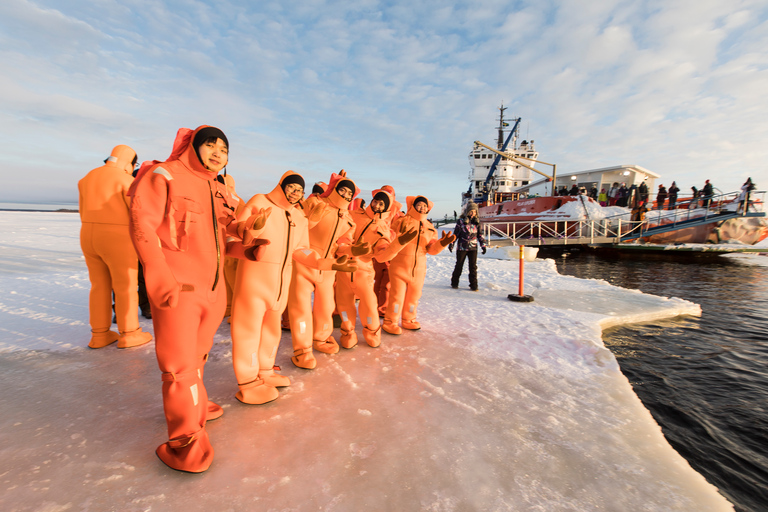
{"x": 261, "y": 293}
{"x": 409, "y": 267}
{"x": 373, "y": 229}
{"x": 109, "y": 253}
{"x": 180, "y": 217}
{"x": 312, "y": 321}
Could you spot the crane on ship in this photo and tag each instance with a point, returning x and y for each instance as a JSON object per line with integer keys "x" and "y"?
{"x": 501, "y": 152}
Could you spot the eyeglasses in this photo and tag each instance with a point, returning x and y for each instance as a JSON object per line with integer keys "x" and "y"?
{"x": 345, "y": 193}
{"x": 293, "y": 188}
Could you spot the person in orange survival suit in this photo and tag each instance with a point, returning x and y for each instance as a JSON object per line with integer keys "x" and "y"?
{"x": 372, "y": 227}
{"x": 409, "y": 267}
{"x": 262, "y": 287}
{"x": 317, "y": 190}
{"x": 180, "y": 218}
{"x": 381, "y": 268}
{"x": 312, "y": 321}
{"x": 112, "y": 263}
{"x": 230, "y": 262}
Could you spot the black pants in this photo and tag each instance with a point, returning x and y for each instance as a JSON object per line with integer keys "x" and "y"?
{"x": 459, "y": 268}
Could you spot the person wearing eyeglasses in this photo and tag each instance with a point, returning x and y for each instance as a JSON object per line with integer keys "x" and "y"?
{"x": 409, "y": 266}
{"x": 331, "y": 234}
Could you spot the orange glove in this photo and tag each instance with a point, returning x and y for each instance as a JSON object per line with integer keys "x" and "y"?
{"x": 342, "y": 265}
{"x": 316, "y": 213}
{"x": 162, "y": 288}
{"x": 447, "y": 238}
{"x": 406, "y": 236}
{"x": 254, "y": 225}
{"x": 360, "y": 249}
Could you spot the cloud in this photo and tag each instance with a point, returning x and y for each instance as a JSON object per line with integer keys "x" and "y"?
{"x": 395, "y": 90}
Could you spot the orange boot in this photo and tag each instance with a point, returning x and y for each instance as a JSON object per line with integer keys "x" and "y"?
{"x": 328, "y": 346}
{"x": 273, "y": 379}
{"x": 256, "y": 392}
{"x": 102, "y": 339}
{"x": 372, "y": 338}
{"x": 304, "y": 358}
{"x": 185, "y": 401}
{"x": 348, "y": 338}
{"x": 133, "y": 338}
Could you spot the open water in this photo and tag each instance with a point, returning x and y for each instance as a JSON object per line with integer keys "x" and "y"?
{"x": 705, "y": 380}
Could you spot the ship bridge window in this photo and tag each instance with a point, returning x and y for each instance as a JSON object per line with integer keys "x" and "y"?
{"x": 477, "y": 156}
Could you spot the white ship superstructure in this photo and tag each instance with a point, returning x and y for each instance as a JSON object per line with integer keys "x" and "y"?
{"x": 508, "y": 176}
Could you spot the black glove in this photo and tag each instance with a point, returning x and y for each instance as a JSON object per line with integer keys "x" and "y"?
{"x": 483, "y": 249}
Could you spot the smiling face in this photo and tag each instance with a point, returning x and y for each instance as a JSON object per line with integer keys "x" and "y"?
{"x": 345, "y": 192}
{"x": 421, "y": 207}
{"x": 294, "y": 192}
{"x": 213, "y": 154}
{"x": 377, "y": 206}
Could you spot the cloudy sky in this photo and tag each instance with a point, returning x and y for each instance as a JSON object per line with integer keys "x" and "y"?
{"x": 394, "y": 92}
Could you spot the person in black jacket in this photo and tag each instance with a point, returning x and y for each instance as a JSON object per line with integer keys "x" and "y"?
{"x": 707, "y": 192}
{"x": 468, "y": 235}
{"x": 673, "y": 190}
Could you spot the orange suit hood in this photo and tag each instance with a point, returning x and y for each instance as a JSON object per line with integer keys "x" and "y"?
{"x": 387, "y": 213}
{"x": 103, "y": 192}
{"x": 333, "y": 197}
{"x": 183, "y": 151}
{"x": 123, "y": 157}
{"x": 277, "y": 195}
{"x": 412, "y": 211}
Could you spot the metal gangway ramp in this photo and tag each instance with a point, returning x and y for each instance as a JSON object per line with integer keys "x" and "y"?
{"x": 617, "y": 229}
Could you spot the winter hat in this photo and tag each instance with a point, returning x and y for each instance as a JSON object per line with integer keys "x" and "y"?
{"x": 420, "y": 200}
{"x": 382, "y": 196}
{"x": 319, "y": 187}
{"x": 207, "y": 133}
{"x": 293, "y": 178}
{"x": 346, "y": 183}
{"x": 471, "y": 206}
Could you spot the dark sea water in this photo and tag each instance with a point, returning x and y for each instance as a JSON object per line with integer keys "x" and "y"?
{"x": 705, "y": 380}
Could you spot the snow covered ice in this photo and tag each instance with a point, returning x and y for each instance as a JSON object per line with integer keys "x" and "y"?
{"x": 492, "y": 405}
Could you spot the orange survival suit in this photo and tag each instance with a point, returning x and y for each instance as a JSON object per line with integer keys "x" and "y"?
{"x": 373, "y": 229}
{"x": 409, "y": 267}
{"x": 381, "y": 268}
{"x": 312, "y": 322}
{"x": 109, "y": 253}
{"x": 262, "y": 291}
{"x": 180, "y": 217}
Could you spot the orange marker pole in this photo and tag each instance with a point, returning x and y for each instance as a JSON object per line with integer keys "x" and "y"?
{"x": 521, "y": 271}
{"x": 520, "y": 297}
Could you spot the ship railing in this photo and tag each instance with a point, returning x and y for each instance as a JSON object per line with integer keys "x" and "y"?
{"x": 699, "y": 210}
{"x": 561, "y": 232}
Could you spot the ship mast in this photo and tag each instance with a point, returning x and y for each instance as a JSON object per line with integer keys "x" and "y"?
{"x": 500, "y": 142}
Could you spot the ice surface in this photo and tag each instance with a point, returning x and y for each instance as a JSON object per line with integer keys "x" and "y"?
{"x": 492, "y": 405}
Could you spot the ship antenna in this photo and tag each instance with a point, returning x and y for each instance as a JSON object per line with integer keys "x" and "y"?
{"x": 500, "y": 142}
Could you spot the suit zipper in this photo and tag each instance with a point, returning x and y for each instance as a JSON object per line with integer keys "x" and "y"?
{"x": 287, "y": 250}
{"x": 416, "y": 254}
{"x": 352, "y": 274}
{"x": 216, "y": 237}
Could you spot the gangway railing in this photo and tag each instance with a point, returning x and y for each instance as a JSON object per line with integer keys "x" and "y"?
{"x": 697, "y": 212}
{"x": 621, "y": 228}
{"x": 573, "y": 232}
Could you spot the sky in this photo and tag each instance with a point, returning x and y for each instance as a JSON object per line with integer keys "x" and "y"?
{"x": 393, "y": 92}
